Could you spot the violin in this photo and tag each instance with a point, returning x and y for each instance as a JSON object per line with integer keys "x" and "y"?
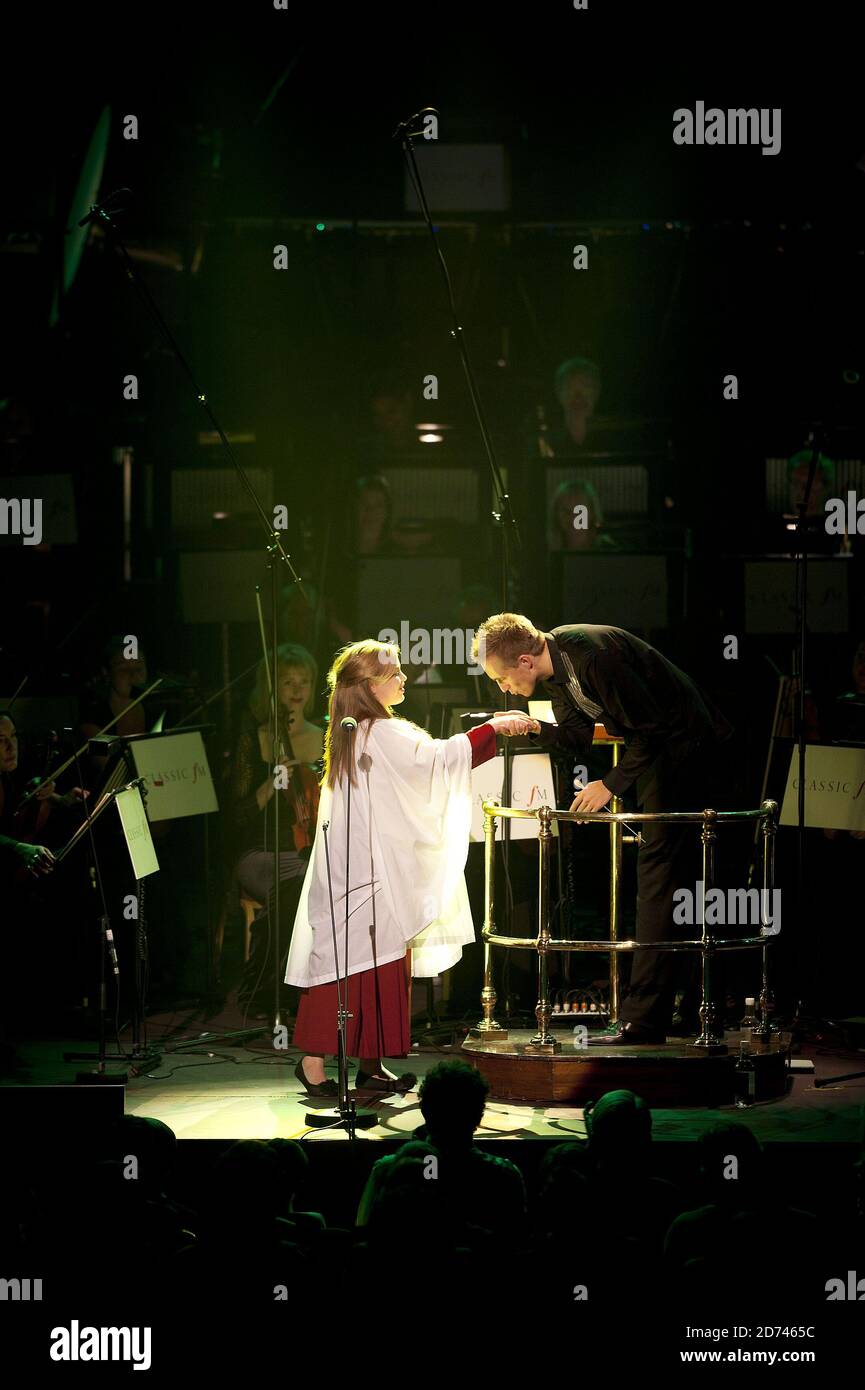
{"x": 302, "y": 792}
{"x": 29, "y": 818}
{"x": 28, "y": 821}
{"x": 34, "y": 801}
{"x": 24, "y": 812}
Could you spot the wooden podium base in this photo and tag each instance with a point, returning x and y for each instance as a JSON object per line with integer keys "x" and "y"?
{"x": 665, "y": 1075}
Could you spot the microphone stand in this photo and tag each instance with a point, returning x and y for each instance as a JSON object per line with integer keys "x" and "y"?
{"x": 140, "y": 1056}
{"x": 799, "y": 667}
{"x": 502, "y": 515}
{"x": 274, "y": 550}
{"x": 346, "y": 1114}
{"x": 205, "y": 704}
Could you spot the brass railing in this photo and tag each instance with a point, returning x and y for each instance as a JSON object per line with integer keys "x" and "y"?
{"x": 707, "y": 944}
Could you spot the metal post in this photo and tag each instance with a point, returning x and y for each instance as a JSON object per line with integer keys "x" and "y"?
{"x": 708, "y": 1013}
{"x": 488, "y": 1027}
{"x": 616, "y": 834}
{"x": 544, "y": 1040}
{"x": 764, "y": 1030}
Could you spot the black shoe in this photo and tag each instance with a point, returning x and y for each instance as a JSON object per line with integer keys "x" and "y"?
{"x": 315, "y": 1088}
{"x": 389, "y": 1085}
{"x": 627, "y": 1035}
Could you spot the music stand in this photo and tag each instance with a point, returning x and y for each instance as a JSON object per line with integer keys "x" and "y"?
{"x": 136, "y": 832}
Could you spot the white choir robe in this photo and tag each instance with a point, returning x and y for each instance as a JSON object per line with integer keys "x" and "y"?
{"x": 410, "y": 823}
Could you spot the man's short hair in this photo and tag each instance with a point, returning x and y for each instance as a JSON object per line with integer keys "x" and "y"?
{"x": 577, "y": 366}
{"x": 453, "y": 1096}
{"x": 507, "y": 636}
{"x": 618, "y": 1116}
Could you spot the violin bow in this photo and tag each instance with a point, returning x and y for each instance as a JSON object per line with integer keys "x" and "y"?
{"x": 58, "y": 771}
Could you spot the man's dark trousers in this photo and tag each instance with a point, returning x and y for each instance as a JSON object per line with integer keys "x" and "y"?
{"x": 669, "y": 858}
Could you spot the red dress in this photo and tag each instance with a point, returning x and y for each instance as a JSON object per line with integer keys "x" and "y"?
{"x": 378, "y": 1000}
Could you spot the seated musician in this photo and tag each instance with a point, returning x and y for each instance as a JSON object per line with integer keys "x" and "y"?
{"x": 120, "y": 681}
{"x": 24, "y": 860}
{"x": 577, "y": 519}
{"x": 254, "y": 788}
{"x": 21, "y": 824}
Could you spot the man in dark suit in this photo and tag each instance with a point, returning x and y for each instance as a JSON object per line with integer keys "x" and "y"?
{"x": 672, "y": 735}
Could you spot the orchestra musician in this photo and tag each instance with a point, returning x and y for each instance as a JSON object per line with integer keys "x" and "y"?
{"x": 120, "y": 682}
{"x": 21, "y": 826}
{"x": 261, "y": 772}
{"x": 26, "y": 823}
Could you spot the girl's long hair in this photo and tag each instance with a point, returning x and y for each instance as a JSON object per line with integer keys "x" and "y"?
{"x": 351, "y": 679}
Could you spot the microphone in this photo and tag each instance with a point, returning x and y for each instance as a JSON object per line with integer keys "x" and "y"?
{"x": 98, "y": 211}
{"x": 112, "y": 949}
{"x": 404, "y": 125}
{"x": 348, "y": 723}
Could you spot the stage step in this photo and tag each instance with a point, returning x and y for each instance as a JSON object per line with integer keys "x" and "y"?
{"x": 674, "y": 1073}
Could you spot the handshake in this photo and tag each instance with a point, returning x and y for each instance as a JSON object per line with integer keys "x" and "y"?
{"x": 513, "y": 722}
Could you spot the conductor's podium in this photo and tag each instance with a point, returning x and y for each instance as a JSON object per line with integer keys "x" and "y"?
{"x": 667, "y": 1075}
{"x": 561, "y": 1067}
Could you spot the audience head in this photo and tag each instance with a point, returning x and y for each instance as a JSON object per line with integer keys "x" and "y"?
{"x": 153, "y": 1144}
{"x": 565, "y": 1201}
{"x": 247, "y": 1188}
{"x": 409, "y": 1197}
{"x": 619, "y": 1126}
{"x": 453, "y": 1097}
{"x": 294, "y": 1164}
{"x": 731, "y": 1162}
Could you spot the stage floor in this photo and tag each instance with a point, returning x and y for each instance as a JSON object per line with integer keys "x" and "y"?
{"x": 204, "y": 1088}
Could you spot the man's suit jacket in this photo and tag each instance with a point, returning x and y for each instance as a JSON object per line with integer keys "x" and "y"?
{"x": 608, "y": 675}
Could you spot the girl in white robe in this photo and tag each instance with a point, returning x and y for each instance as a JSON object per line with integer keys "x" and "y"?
{"x": 408, "y": 818}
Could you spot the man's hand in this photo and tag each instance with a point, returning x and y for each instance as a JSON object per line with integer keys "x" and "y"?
{"x": 512, "y": 722}
{"x": 593, "y": 797}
